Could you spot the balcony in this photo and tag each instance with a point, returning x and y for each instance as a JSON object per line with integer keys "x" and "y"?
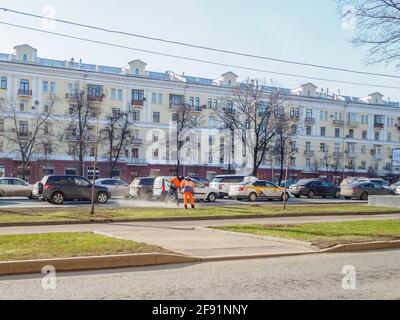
{"x": 310, "y": 121}
{"x": 137, "y": 141}
{"x": 195, "y": 109}
{"x": 137, "y": 162}
{"x": 338, "y": 154}
{"x": 378, "y": 157}
{"x": 353, "y": 124}
{"x": 95, "y": 98}
{"x": 71, "y": 96}
{"x": 351, "y": 154}
{"x": 379, "y": 125}
{"x": 137, "y": 103}
{"x": 309, "y": 153}
{"x": 25, "y": 92}
{"x": 338, "y": 123}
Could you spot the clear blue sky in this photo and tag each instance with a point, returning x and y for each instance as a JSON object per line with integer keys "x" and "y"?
{"x": 306, "y": 30}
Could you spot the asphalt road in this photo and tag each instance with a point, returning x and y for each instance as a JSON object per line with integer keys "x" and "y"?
{"x": 8, "y": 203}
{"x": 304, "y": 277}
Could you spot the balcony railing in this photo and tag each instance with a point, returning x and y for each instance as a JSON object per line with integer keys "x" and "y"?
{"x": 310, "y": 120}
{"x": 137, "y": 162}
{"x": 137, "y": 141}
{"x": 351, "y": 154}
{"x": 95, "y": 98}
{"x": 353, "y": 124}
{"x": 338, "y": 123}
{"x": 71, "y": 96}
{"x": 176, "y": 105}
{"x": 309, "y": 153}
{"x": 338, "y": 154}
{"x": 137, "y": 103}
{"x": 378, "y": 157}
{"x": 379, "y": 125}
{"x": 25, "y": 92}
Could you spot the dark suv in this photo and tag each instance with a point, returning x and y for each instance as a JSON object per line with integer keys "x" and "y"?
{"x": 314, "y": 188}
{"x": 57, "y": 189}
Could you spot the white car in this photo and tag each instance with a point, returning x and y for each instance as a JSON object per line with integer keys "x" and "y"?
{"x": 224, "y": 183}
{"x": 13, "y": 187}
{"x": 201, "y": 192}
{"x": 116, "y": 187}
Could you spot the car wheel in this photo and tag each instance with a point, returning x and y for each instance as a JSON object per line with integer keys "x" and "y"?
{"x": 364, "y": 196}
{"x": 57, "y": 198}
{"x": 297, "y": 196}
{"x": 347, "y": 198}
{"x": 102, "y": 197}
{"x": 285, "y": 197}
{"x": 337, "y": 195}
{"x": 212, "y": 197}
{"x": 148, "y": 196}
{"x": 253, "y": 197}
{"x": 311, "y": 195}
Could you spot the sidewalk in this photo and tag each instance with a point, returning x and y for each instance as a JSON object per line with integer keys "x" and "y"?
{"x": 194, "y": 238}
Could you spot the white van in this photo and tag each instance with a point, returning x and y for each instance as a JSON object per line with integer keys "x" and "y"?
{"x": 162, "y": 184}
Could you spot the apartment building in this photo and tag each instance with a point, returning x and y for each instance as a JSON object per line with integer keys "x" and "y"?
{"x": 339, "y": 135}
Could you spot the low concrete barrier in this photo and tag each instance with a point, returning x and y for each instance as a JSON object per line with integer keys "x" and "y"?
{"x": 384, "y": 201}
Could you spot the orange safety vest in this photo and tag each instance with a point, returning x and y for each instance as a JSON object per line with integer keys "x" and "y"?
{"x": 187, "y": 186}
{"x": 175, "y": 181}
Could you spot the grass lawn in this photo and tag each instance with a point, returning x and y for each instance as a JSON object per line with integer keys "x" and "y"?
{"x": 326, "y": 235}
{"x": 82, "y": 213}
{"x": 64, "y": 245}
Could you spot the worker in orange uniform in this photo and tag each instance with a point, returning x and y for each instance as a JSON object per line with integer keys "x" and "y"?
{"x": 188, "y": 191}
{"x": 174, "y": 189}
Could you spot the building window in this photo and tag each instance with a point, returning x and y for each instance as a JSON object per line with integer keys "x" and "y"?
{"x": 364, "y": 135}
{"x": 323, "y": 131}
{"x": 308, "y": 146}
{"x": 309, "y": 114}
{"x": 377, "y": 136}
{"x": 293, "y": 129}
{"x": 156, "y": 117}
{"x": 292, "y": 162}
{"x": 1, "y": 125}
{"x": 322, "y": 147}
{"x": 209, "y": 103}
{"x": 154, "y": 98}
{"x": 137, "y": 95}
{"x": 23, "y": 128}
{"x": 2, "y": 171}
{"x": 363, "y": 150}
{"x": 160, "y": 99}
{"x": 363, "y": 165}
{"x": 324, "y": 115}
{"x": 52, "y": 87}
{"x": 155, "y": 154}
{"x": 211, "y": 122}
{"x": 113, "y": 94}
{"x": 197, "y": 103}
{"x": 389, "y": 137}
{"x": 135, "y": 114}
{"x": 3, "y": 84}
{"x": 116, "y": 112}
{"x": 135, "y": 153}
{"x": 215, "y": 103}
{"x": 191, "y": 102}
{"x": 308, "y": 130}
{"x": 24, "y": 86}
{"x": 337, "y": 133}
{"x": 351, "y": 134}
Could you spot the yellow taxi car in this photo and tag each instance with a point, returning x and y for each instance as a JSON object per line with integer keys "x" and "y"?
{"x": 258, "y": 190}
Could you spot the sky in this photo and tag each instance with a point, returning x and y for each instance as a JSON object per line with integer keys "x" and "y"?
{"x": 308, "y": 30}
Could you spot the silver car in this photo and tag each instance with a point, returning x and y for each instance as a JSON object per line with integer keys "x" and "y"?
{"x": 14, "y": 187}
{"x": 116, "y": 187}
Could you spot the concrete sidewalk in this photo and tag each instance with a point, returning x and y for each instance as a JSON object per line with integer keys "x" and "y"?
{"x": 194, "y": 238}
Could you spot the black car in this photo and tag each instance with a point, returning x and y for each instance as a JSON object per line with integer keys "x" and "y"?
{"x": 142, "y": 188}
{"x": 57, "y": 189}
{"x": 314, "y": 188}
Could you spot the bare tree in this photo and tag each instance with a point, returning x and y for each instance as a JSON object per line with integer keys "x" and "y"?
{"x": 251, "y": 112}
{"x": 377, "y": 24}
{"x": 25, "y": 136}
{"x": 286, "y": 132}
{"x": 83, "y": 111}
{"x": 117, "y": 133}
{"x": 185, "y": 119}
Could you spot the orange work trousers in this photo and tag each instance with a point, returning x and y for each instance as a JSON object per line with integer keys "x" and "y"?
{"x": 188, "y": 196}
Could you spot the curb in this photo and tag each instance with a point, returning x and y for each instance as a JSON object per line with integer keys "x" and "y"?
{"x": 182, "y": 219}
{"x": 154, "y": 259}
{"x": 92, "y": 263}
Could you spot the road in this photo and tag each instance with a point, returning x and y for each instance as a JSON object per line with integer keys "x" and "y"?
{"x": 9, "y": 203}
{"x": 303, "y": 277}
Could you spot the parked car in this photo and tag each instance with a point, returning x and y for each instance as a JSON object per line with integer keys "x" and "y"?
{"x": 253, "y": 191}
{"x": 362, "y": 190}
{"x": 201, "y": 192}
{"x": 14, "y": 187}
{"x": 57, "y": 189}
{"x": 288, "y": 183}
{"x": 350, "y": 180}
{"x": 223, "y": 183}
{"x": 312, "y": 188}
{"x": 202, "y": 180}
{"x": 116, "y": 187}
{"x": 142, "y": 188}
{"x": 381, "y": 182}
